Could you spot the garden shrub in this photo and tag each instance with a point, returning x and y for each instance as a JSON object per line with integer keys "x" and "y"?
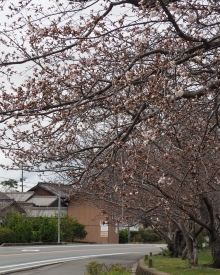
{"x": 123, "y": 236}
{"x": 71, "y": 229}
{"x": 117, "y": 273}
{"x": 117, "y": 268}
{"x": 165, "y": 252}
{"x": 95, "y": 268}
{"x": 146, "y": 236}
{"x": 45, "y": 229}
{"x": 22, "y": 226}
{"x": 7, "y": 236}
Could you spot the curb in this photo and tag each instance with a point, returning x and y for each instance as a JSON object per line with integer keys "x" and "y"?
{"x": 133, "y": 268}
{"x": 27, "y": 244}
{"x": 142, "y": 269}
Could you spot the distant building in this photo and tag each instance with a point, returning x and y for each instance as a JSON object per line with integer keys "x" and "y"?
{"x": 8, "y": 205}
{"x": 84, "y": 211}
{"x": 42, "y": 200}
{"x": 37, "y": 206}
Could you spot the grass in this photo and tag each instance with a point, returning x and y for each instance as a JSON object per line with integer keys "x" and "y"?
{"x": 176, "y": 266}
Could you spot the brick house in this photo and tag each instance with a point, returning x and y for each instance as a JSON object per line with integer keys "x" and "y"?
{"x": 83, "y": 210}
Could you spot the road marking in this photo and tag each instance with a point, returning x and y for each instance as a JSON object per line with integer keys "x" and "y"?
{"x": 30, "y": 250}
{"x": 89, "y": 245}
{"x": 39, "y": 263}
{"x": 61, "y": 251}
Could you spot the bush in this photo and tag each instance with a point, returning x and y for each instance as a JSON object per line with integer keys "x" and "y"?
{"x": 7, "y": 236}
{"x": 22, "y": 226}
{"x": 95, "y": 268}
{"x": 117, "y": 268}
{"x": 45, "y": 229}
{"x": 123, "y": 236}
{"x": 71, "y": 229}
{"x": 165, "y": 252}
{"x": 145, "y": 236}
{"x": 201, "y": 240}
{"x": 117, "y": 273}
{"x": 29, "y": 230}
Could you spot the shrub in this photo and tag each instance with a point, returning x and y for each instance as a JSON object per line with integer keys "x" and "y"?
{"x": 165, "y": 252}
{"x": 117, "y": 268}
{"x": 71, "y": 229}
{"x": 153, "y": 237}
{"x": 7, "y": 236}
{"x": 201, "y": 240}
{"x": 145, "y": 236}
{"x": 95, "y": 268}
{"x": 123, "y": 236}
{"x": 117, "y": 273}
{"x": 45, "y": 229}
{"x": 22, "y": 226}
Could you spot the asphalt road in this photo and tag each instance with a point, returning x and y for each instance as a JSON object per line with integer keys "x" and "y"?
{"x": 68, "y": 259}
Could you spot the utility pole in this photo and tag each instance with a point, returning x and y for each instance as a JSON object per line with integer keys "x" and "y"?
{"x": 22, "y": 178}
{"x": 59, "y": 202}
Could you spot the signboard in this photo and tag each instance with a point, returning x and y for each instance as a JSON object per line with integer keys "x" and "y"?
{"x": 104, "y": 234}
{"x": 104, "y": 226}
{"x": 103, "y": 229}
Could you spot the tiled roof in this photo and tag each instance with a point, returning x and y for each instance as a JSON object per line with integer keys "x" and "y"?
{"x": 42, "y": 200}
{"x": 54, "y": 188}
{"x": 5, "y": 203}
{"x": 45, "y": 211}
{"x": 20, "y": 196}
{"x": 3, "y": 196}
{"x": 8, "y": 203}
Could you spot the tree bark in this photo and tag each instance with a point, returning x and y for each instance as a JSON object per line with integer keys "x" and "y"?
{"x": 215, "y": 249}
{"x": 191, "y": 243}
{"x": 177, "y": 237}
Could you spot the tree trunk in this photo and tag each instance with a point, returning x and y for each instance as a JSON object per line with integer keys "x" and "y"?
{"x": 183, "y": 257}
{"x": 191, "y": 243}
{"x": 215, "y": 248}
{"x": 177, "y": 236}
{"x": 170, "y": 247}
{"x": 192, "y": 249}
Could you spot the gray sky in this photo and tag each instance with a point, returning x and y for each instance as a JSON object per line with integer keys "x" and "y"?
{"x": 32, "y": 178}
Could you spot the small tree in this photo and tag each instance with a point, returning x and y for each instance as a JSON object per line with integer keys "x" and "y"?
{"x": 71, "y": 229}
{"x": 22, "y": 226}
{"x": 45, "y": 229}
{"x": 7, "y": 236}
{"x": 9, "y": 184}
{"x": 123, "y": 236}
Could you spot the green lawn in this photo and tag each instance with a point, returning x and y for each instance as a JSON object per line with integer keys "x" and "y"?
{"x": 176, "y": 266}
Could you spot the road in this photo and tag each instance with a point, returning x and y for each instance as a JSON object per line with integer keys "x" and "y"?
{"x": 51, "y": 258}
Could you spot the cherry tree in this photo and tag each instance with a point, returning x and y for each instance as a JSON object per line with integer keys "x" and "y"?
{"x": 117, "y": 95}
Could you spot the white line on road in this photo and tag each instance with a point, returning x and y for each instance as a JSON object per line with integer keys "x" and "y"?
{"x": 40, "y": 263}
{"x": 30, "y": 250}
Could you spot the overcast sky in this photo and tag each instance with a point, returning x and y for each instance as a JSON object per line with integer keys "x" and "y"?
{"x": 31, "y": 177}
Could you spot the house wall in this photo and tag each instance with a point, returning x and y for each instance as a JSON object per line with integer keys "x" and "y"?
{"x": 42, "y": 192}
{"x": 91, "y": 216}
